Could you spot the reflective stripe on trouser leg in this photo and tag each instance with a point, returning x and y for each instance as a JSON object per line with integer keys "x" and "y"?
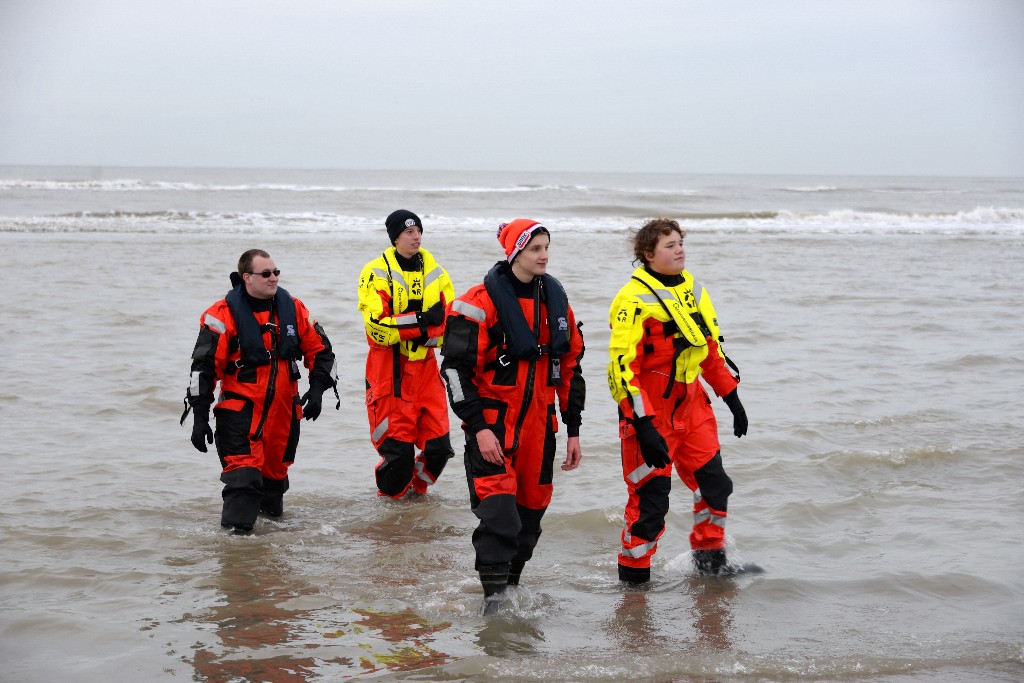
{"x": 710, "y": 501}
{"x": 708, "y": 525}
{"x": 431, "y": 462}
{"x": 636, "y": 549}
{"x": 646, "y": 508}
{"x": 646, "y": 505}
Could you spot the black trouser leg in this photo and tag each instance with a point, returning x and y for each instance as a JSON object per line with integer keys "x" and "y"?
{"x": 395, "y": 472}
{"x": 495, "y": 540}
{"x": 273, "y": 496}
{"x": 526, "y": 541}
{"x": 714, "y": 484}
{"x": 242, "y": 494}
{"x": 436, "y": 454}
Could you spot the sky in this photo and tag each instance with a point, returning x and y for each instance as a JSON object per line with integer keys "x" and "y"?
{"x": 861, "y": 87}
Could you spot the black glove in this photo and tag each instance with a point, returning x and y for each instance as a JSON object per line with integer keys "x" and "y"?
{"x": 653, "y": 448}
{"x": 312, "y": 402}
{"x": 739, "y": 416}
{"x": 432, "y": 317}
{"x": 201, "y": 432}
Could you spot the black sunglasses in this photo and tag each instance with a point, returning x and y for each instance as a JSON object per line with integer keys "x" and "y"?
{"x": 266, "y": 273}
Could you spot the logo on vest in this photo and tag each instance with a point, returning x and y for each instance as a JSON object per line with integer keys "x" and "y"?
{"x": 563, "y": 324}
{"x": 290, "y": 331}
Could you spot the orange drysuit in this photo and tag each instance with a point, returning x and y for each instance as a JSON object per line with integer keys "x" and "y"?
{"x": 495, "y": 383}
{"x": 257, "y": 411}
{"x": 664, "y": 336}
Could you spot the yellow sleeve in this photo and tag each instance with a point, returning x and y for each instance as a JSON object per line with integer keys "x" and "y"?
{"x": 447, "y": 288}
{"x": 375, "y": 304}
{"x": 625, "y": 349}
{"x": 447, "y": 296}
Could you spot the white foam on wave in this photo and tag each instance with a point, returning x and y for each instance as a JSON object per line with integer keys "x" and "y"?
{"x": 811, "y": 188}
{"x": 135, "y": 185}
{"x": 981, "y": 220}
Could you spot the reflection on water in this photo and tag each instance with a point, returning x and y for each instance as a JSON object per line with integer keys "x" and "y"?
{"x": 258, "y": 632}
{"x": 409, "y": 635}
{"x": 273, "y": 626}
{"x": 711, "y": 611}
{"x": 642, "y": 621}
{"x": 511, "y": 629}
{"x": 634, "y": 628}
{"x": 503, "y": 637}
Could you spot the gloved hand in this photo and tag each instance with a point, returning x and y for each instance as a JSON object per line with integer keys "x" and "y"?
{"x": 431, "y": 317}
{"x": 202, "y": 434}
{"x": 653, "y": 448}
{"x": 739, "y": 415}
{"x": 312, "y": 402}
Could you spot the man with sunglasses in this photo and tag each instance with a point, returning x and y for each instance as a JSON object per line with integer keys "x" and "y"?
{"x": 251, "y": 342}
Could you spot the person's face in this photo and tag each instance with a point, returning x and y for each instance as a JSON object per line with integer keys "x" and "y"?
{"x": 408, "y": 241}
{"x": 533, "y": 259}
{"x": 668, "y": 257}
{"x": 256, "y": 285}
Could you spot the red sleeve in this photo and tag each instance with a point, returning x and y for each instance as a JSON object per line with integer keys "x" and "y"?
{"x": 715, "y": 372}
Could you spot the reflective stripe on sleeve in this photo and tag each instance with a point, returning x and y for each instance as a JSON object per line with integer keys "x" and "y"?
{"x": 637, "y": 402}
{"x": 454, "y": 386}
{"x": 215, "y": 324}
{"x": 469, "y": 310}
{"x": 406, "y": 320}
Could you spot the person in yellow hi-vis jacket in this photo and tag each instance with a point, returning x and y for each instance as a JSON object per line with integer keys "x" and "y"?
{"x": 664, "y": 335}
{"x": 403, "y": 295}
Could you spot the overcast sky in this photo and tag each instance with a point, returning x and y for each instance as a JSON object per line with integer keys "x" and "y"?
{"x": 919, "y": 87}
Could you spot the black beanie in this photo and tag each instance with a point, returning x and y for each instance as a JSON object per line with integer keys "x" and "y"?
{"x": 399, "y": 220}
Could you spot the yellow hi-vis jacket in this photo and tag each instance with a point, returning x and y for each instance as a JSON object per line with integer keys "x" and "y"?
{"x": 390, "y": 297}
{"x": 662, "y": 334}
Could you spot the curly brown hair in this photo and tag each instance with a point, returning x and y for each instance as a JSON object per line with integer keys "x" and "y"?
{"x": 645, "y": 238}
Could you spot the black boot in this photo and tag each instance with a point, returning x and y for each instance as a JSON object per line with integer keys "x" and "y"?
{"x": 494, "y": 580}
{"x": 634, "y": 575}
{"x": 709, "y": 562}
{"x": 273, "y": 490}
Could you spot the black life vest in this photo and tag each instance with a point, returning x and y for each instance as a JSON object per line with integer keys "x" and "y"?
{"x": 250, "y": 334}
{"x": 521, "y": 340}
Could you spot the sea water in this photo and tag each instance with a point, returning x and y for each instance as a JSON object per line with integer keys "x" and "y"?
{"x": 876, "y": 323}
